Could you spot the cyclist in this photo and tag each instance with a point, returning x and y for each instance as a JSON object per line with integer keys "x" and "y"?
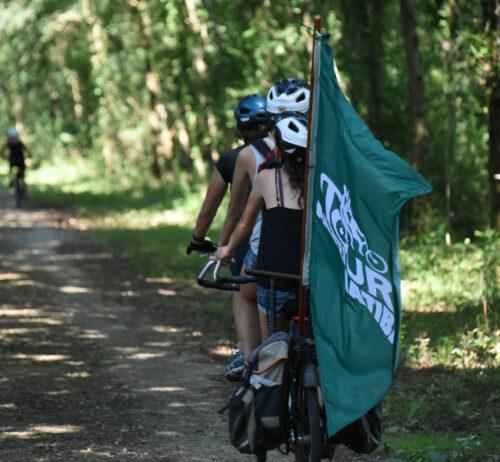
{"x": 288, "y": 94}
{"x": 16, "y": 150}
{"x": 253, "y": 122}
{"x": 279, "y": 190}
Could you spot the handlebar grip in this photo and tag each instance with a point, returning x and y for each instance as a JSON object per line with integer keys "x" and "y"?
{"x": 214, "y": 284}
{"x": 235, "y": 279}
{"x": 217, "y": 285}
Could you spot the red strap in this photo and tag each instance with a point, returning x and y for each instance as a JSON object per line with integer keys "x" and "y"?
{"x": 272, "y": 160}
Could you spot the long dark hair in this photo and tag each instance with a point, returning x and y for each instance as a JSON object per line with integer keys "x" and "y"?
{"x": 295, "y": 169}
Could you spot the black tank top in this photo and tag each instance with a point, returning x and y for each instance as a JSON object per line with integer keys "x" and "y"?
{"x": 16, "y": 154}
{"x": 280, "y": 241}
{"x": 226, "y": 163}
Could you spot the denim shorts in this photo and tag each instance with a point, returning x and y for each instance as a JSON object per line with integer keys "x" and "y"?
{"x": 250, "y": 260}
{"x": 281, "y": 297}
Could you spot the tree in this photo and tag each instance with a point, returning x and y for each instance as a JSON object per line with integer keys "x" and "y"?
{"x": 491, "y": 14}
{"x": 420, "y": 130}
{"x": 160, "y": 137}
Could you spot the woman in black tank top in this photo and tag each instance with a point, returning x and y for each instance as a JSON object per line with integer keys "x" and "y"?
{"x": 279, "y": 191}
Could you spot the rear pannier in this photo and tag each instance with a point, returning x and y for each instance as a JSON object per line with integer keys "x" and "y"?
{"x": 258, "y": 408}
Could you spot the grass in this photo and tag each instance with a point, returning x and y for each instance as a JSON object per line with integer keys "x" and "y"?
{"x": 444, "y": 405}
{"x": 439, "y": 448}
{"x": 159, "y": 251}
{"x": 440, "y": 409}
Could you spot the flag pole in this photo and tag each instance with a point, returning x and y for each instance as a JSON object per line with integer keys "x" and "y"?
{"x": 302, "y": 289}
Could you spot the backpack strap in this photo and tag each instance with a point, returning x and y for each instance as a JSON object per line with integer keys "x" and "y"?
{"x": 262, "y": 147}
{"x": 257, "y": 381}
{"x": 272, "y": 161}
{"x": 270, "y": 157}
{"x": 236, "y": 398}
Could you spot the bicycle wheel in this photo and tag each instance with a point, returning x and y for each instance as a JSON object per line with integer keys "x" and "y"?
{"x": 308, "y": 447}
{"x": 18, "y": 192}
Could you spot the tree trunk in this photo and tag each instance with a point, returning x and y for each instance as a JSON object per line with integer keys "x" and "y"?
{"x": 420, "y": 131}
{"x": 152, "y": 85}
{"x": 491, "y": 13}
{"x": 417, "y": 214}
{"x": 76, "y": 94}
{"x": 357, "y": 35}
{"x": 199, "y": 26}
{"x": 376, "y": 69}
{"x": 160, "y": 136}
{"x": 99, "y": 43}
{"x": 449, "y": 48}
{"x": 363, "y": 30}
{"x": 494, "y": 157}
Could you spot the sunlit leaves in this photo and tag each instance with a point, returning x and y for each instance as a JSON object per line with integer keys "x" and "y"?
{"x": 209, "y": 53}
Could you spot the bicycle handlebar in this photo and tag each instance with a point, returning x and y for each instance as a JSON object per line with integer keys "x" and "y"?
{"x": 227, "y": 283}
{"x": 235, "y": 279}
{"x": 213, "y": 284}
{"x": 272, "y": 274}
{"x": 232, "y": 283}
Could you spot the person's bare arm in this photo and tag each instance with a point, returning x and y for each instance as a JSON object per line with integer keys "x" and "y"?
{"x": 239, "y": 190}
{"x": 215, "y": 193}
{"x": 246, "y": 223}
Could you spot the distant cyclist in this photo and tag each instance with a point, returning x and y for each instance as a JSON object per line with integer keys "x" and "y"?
{"x": 16, "y": 153}
{"x": 253, "y": 122}
{"x": 286, "y": 95}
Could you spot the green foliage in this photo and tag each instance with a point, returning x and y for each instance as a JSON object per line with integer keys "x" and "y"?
{"x": 74, "y": 76}
{"x": 443, "y": 414}
{"x": 434, "y": 448}
{"x": 444, "y": 277}
{"x": 450, "y": 296}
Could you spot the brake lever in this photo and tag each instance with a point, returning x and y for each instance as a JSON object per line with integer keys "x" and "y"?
{"x": 214, "y": 284}
{"x": 230, "y": 279}
{"x": 205, "y": 269}
{"x": 215, "y": 273}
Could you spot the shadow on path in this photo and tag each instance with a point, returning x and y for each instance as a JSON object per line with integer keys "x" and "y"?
{"x": 98, "y": 365}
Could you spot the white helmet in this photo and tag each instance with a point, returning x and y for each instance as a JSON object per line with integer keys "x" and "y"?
{"x": 291, "y": 134}
{"x": 288, "y": 95}
{"x": 12, "y": 133}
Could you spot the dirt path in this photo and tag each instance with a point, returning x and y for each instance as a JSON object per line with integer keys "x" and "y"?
{"x": 96, "y": 364}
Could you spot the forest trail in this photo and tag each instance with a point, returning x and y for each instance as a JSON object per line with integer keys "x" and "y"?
{"x": 96, "y": 364}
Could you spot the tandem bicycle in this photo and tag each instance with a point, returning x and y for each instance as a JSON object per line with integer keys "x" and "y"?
{"x": 306, "y": 435}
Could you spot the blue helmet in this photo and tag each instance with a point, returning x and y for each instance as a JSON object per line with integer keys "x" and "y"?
{"x": 12, "y": 133}
{"x": 250, "y": 112}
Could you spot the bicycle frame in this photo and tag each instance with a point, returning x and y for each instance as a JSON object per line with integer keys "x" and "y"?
{"x": 302, "y": 376}
{"x": 17, "y": 179}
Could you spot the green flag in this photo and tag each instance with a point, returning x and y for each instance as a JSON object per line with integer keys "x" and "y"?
{"x": 356, "y": 191}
